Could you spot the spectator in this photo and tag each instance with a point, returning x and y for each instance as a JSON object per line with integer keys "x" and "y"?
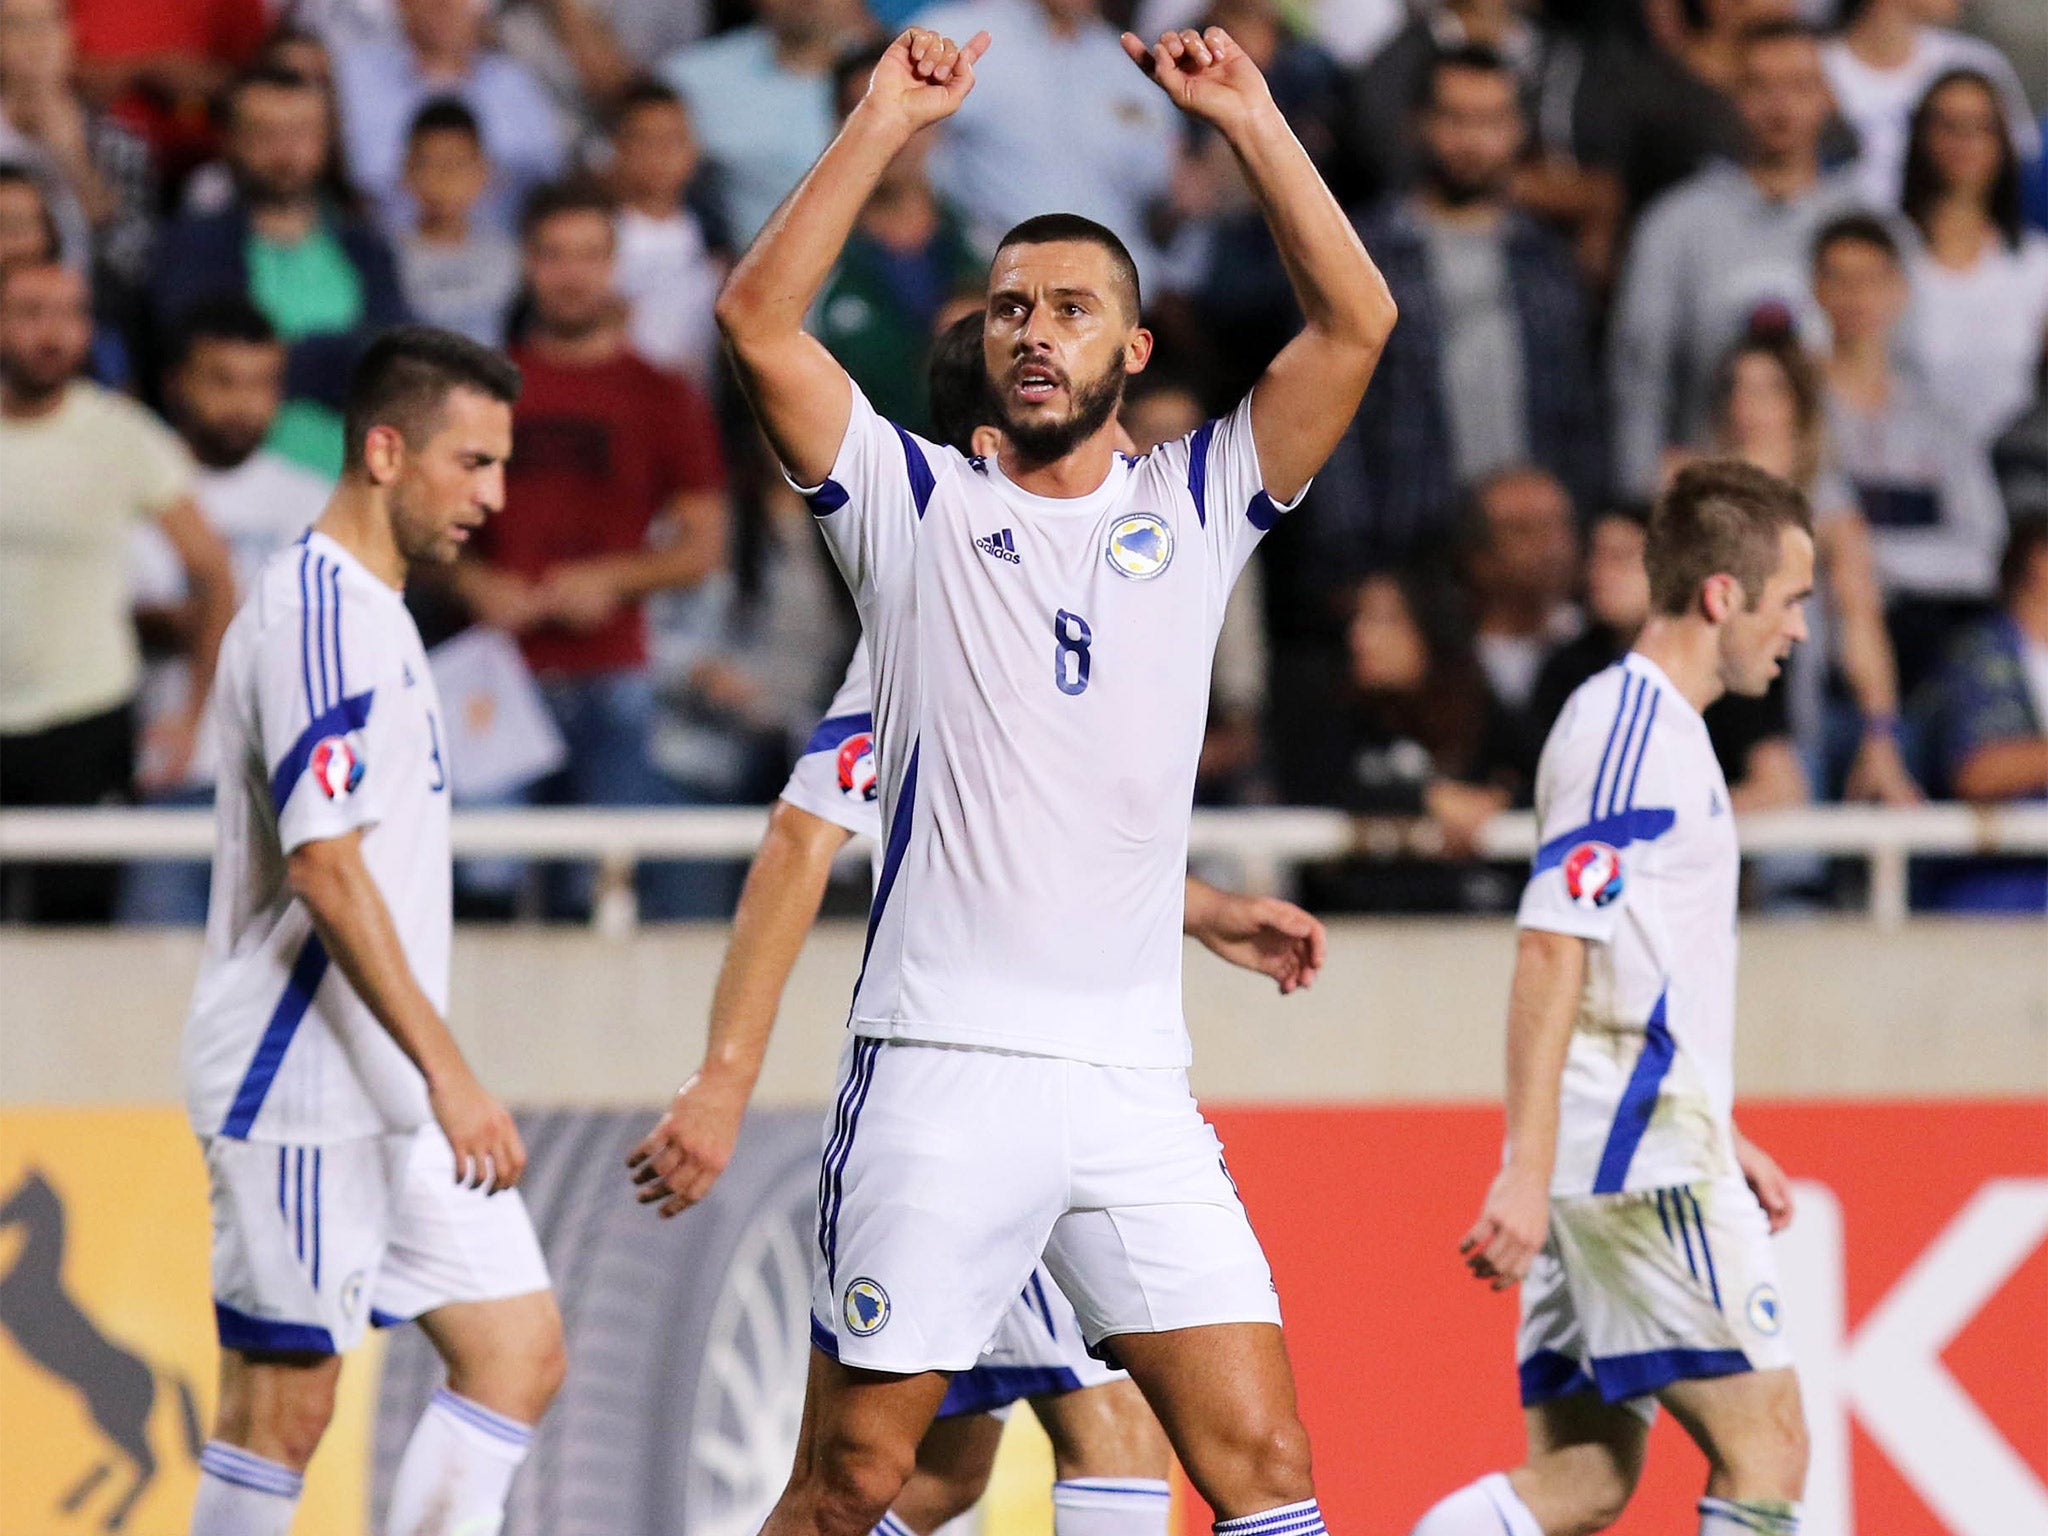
{"x": 1414, "y": 735}
{"x": 456, "y": 272}
{"x": 28, "y": 232}
{"x": 103, "y": 166}
{"x": 1890, "y": 52}
{"x": 82, "y": 467}
{"x": 1727, "y": 247}
{"x": 761, "y": 100}
{"x": 324, "y": 279}
{"x": 907, "y": 259}
{"x": 668, "y": 275}
{"x": 157, "y": 65}
{"x": 1770, "y": 412}
{"x": 616, "y": 493}
{"x": 1925, "y": 488}
{"x": 212, "y": 187}
{"x": 1113, "y": 157}
{"x": 1752, "y": 738}
{"x": 1492, "y": 363}
{"x": 223, "y": 385}
{"x": 1980, "y": 278}
{"x": 439, "y": 51}
{"x": 1521, "y": 562}
{"x": 590, "y": 53}
{"x": 1989, "y": 718}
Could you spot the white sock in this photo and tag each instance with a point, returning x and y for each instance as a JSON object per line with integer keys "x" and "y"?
{"x": 457, "y": 1470}
{"x": 1754, "y": 1517}
{"x": 241, "y": 1494}
{"x": 891, "y": 1525}
{"x": 1111, "y": 1506}
{"x": 1485, "y": 1508}
{"x": 1303, "y": 1519}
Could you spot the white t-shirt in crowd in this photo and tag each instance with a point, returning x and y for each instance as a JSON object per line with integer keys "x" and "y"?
{"x": 259, "y": 507}
{"x": 327, "y": 723}
{"x": 670, "y": 280}
{"x": 1977, "y": 335}
{"x": 1879, "y": 103}
{"x": 1637, "y": 855}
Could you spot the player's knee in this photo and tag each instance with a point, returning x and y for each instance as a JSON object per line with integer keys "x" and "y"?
{"x": 285, "y": 1423}
{"x": 1769, "y": 1460}
{"x": 1262, "y": 1464}
{"x": 548, "y": 1368}
{"x": 853, "y": 1483}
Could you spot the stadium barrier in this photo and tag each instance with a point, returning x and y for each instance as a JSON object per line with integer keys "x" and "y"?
{"x": 1257, "y": 844}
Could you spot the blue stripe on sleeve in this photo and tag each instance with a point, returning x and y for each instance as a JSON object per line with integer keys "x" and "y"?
{"x": 334, "y": 586}
{"x": 1631, "y": 826}
{"x": 320, "y": 629}
{"x": 349, "y": 715}
{"x": 1599, "y": 774}
{"x": 1198, "y": 470}
{"x": 921, "y": 482}
{"x": 828, "y": 498}
{"x": 1627, "y": 740}
{"x": 306, "y": 632}
{"x": 834, "y": 729}
{"x": 1642, "y": 748}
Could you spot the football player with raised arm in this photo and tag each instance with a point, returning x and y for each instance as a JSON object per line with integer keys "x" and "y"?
{"x": 1110, "y": 1457}
{"x": 1040, "y": 625}
{"x": 1635, "y": 1216}
{"x": 359, "y": 1171}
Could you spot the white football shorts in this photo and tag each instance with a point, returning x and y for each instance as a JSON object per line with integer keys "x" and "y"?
{"x": 312, "y": 1244}
{"x": 1636, "y": 1291}
{"x": 949, "y": 1171}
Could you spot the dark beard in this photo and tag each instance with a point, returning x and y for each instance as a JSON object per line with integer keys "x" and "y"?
{"x": 217, "y": 449}
{"x": 1043, "y": 442}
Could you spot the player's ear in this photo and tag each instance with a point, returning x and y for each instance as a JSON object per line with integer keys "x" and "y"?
{"x": 383, "y": 454}
{"x": 1720, "y": 597}
{"x": 1138, "y": 351}
{"x": 986, "y": 442}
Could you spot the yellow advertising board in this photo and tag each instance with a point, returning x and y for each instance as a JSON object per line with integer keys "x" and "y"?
{"x": 107, "y": 1353}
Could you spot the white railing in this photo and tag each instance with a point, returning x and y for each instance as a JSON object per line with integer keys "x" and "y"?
{"x": 1261, "y": 845}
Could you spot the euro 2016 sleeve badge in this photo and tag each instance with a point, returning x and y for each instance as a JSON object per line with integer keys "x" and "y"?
{"x": 866, "y": 1308}
{"x": 336, "y": 767}
{"x": 1592, "y": 874}
{"x": 1140, "y": 545}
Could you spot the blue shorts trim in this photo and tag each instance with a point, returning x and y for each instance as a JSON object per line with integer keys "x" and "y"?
{"x": 1620, "y": 1377}
{"x": 1547, "y": 1376}
{"x": 263, "y": 1335}
{"x": 988, "y": 1387}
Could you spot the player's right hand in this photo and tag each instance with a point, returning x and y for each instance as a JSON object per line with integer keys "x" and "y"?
{"x": 1512, "y": 1227}
{"x": 488, "y": 1152}
{"x": 924, "y": 76}
{"x": 689, "y": 1147}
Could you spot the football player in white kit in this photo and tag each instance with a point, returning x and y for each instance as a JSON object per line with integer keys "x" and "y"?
{"x": 1635, "y": 1215}
{"x": 1040, "y": 626}
{"x": 1111, "y": 1460}
{"x": 359, "y": 1171}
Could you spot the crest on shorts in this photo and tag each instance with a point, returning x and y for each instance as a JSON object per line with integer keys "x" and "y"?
{"x": 867, "y": 1308}
{"x": 1140, "y": 545}
{"x": 1763, "y": 1311}
{"x": 1592, "y": 874}
{"x": 336, "y": 767}
{"x": 352, "y": 1290}
{"x": 857, "y": 766}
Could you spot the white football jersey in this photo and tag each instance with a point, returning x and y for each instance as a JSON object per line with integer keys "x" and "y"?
{"x": 835, "y": 777}
{"x": 1638, "y": 856}
{"x": 1041, "y": 683}
{"x": 326, "y": 721}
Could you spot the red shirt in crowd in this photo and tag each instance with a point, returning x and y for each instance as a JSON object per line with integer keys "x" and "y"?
{"x": 225, "y": 31}
{"x": 598, "y": 452}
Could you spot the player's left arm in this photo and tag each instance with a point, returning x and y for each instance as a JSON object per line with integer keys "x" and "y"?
{"x": 1309, "y": 393}
{"x": 1260, "y": 933}
{"x": 210, "y": 578}
{"x": 1766, "y": 1180}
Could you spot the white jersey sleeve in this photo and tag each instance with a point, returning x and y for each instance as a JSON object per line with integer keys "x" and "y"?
{"x": 1220, "y": 463}
{"x": 835, "y": 777}
{"x": 871, "y": 504}
{"x": 317, "y": 712}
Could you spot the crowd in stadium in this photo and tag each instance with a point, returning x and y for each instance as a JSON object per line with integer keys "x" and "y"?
{"x": 1621, "y": 233}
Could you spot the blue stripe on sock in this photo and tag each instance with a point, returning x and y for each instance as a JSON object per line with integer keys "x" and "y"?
{"x": 511, "y": 1431}
{"x": 231, "y": 1465}
{"x": 1105, "y": 1485}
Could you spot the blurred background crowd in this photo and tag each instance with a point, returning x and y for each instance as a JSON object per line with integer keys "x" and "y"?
{"x": 1621, "y": 233}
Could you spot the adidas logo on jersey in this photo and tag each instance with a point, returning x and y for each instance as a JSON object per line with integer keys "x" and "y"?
{"x": 1001, "y": 545}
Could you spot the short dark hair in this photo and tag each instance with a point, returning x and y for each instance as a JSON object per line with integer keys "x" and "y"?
{"x": 552, "y": 199}
{"x": 445, "y": 114}
{"x": 13, "y": 175}
{"x": 640, "y": 92}
{"x": 1719, "y": 516}
{"x": 1921, "y": 183}
{"x": 1477, "y": 57}
{"x": 957, "y": 374}
{"x": 1858, "y": 228}
{"x": 1064, "y": 228}
{"x": 269, "y": 76}
{"x": 406, "y": 376}
{"x": 2029, "y": 536}
{"x": 223, "y": 317}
